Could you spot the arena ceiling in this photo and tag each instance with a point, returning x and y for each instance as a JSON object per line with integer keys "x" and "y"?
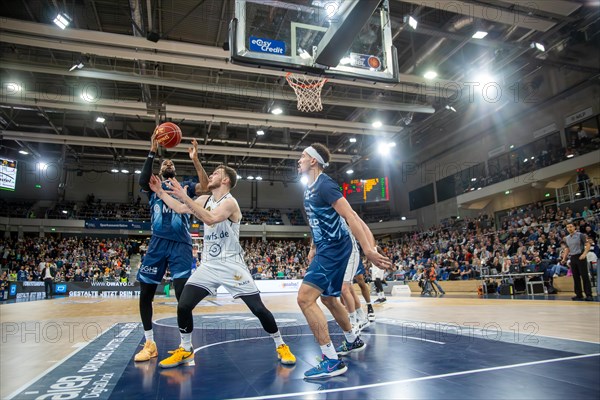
{"x": 186, "y": 77}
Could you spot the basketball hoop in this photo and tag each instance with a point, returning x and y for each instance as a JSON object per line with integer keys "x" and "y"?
{"x": 308, "y": 91}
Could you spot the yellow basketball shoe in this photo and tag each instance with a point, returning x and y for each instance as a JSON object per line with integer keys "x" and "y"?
{"x": 149, "y": 351}
{"x": 178, "y": 357}
{"x": 285, "y": 355}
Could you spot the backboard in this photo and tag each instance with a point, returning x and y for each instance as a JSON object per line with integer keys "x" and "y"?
{"x": 349, "y": 39}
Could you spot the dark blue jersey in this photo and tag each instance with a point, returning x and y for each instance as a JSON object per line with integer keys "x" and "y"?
{"x": 325, "y": 223}
{"x": 168, "y": 224}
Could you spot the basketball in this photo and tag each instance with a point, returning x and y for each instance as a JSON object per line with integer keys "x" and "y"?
{"x": 168, "y": 135}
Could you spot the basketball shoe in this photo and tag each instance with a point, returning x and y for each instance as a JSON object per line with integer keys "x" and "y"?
{"x": 370, "y": 313}
{"x": 356, "y": 346}
{"x": 285, "y": 355}
{"x": 178, "y": 357}
{"x": 149, "y": 351}
{"x": 326, "y": 368}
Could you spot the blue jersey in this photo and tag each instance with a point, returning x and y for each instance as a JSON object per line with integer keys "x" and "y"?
{"x": 325, "y": 223}
{"x": 168, "y": 224}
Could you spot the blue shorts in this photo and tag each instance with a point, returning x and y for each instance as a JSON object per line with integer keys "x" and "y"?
{"x": 162, "y": 253}
{"x": 326, "y": 271}
{"x": 361, "y": 268}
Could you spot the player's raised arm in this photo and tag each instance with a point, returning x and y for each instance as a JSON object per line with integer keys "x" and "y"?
{"x": 175, "y": 205}
{"x": 223, "y": 212}
{"x": 202, "y": 186}
{"x": 146, "y": 174}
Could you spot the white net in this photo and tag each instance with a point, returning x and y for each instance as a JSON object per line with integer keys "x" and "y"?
{"x": 308, "y": 91}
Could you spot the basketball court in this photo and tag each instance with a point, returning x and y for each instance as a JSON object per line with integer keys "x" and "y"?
{"x": 452, "y": 347}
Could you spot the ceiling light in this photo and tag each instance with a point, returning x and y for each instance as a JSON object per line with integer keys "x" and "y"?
{"x": 473, "y": 179}
{"x": 512, "y": 146}
{"x": 571, "y": 155}
{"x": 250, "y": 178}
{"x": 479, "y": 35}
{"x": 260, "y": 132}
{"x": 13, "y": 87}
{"x": 137, "y": 171}
{"x": 411, "y": 21}
{"x": 23, "y": 152}
{"x": 478, "y": 188}
{"x": 383, "y": 149}
{"x": 377, "y": 124}
{"x": 352, "y": 140}
{"x": 114, "y": 170}
{"x": 403, "y": 218}
{"x": 430, "y": 75}
{"x": 62, "y": 20}
{"x": 85, "y": 96}
{"x": 100, "y": 119}
{"x": 451, "y": 108}
{"x": 538, "y": 46}
{"x": 125, "y": 171}
{"x": 76, "y": 66}
{"x": 239, "y": 177}
{"x": 392, "y": 144}
{"x": 276, "y": 111}
{"x": 259, "y": 178}
{"x": 42, "y": 166}
{"x": 507, "y": 192}
{"x": 350, "y": 171}
{"x": 304, "y": 180}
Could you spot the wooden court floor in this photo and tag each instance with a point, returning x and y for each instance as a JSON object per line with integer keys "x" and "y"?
{"x": 37, "y": 335}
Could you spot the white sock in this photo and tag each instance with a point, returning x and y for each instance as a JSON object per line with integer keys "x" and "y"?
{"x": 329, "y": 351}
{"x": 186, "y": 341}
{"x": 360, "y": 314}
{"x": 149, "y": 335}
{"x": 350, "y": 336}
{"x": 352, "y": 317}
{"x": 277, "y": 338}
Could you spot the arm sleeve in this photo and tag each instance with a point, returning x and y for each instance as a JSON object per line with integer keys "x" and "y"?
{"x": 330, "y": 191}
{"x": 147, "y": 172}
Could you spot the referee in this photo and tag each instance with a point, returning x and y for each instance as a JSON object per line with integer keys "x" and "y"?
{"x": 577, "y": 249}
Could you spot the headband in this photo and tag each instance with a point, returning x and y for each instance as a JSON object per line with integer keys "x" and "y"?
{"x": 314, "y": 154}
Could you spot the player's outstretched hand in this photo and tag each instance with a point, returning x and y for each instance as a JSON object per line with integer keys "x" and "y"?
{"x": 155, "y": 184}
{"x": 379, "y": 260}
{"x": 175, "y": 189}
{"x": 193, "y": 151}
{"x": 153, "y": 140}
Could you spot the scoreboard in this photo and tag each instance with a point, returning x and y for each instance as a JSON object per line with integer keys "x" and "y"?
{"x": 366, "y": 190}
{"x": 8, "y": 174}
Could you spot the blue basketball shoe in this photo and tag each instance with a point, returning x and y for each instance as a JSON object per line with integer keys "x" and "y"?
{"x": 356, "y": 346}
{"x": 326, "y": 369}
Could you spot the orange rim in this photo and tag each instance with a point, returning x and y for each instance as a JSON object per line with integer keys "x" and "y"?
{"x": 302, "y": 85}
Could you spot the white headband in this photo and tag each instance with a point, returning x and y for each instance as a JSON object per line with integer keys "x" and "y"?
{"x": 314, "y": 154}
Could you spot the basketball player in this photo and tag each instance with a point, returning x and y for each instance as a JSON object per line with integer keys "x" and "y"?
{"x": 330, "y": 251}
{"x": 349, "y": 298}
{"x": 377, "y": 275}
{"x": 222, "y": 261}
{"x": 170, "y": 244}
{"x": 365, "y": 290}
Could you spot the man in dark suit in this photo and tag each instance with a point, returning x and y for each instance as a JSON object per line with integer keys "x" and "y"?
{"x": 48, "y": 274}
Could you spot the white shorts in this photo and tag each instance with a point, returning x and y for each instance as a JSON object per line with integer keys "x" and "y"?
{"x": 234, "y": 276}
{"x": 352, "y": 262}
{"x": 377, "y": 273}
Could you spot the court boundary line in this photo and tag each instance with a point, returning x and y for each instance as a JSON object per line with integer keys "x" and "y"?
{"x": 60, "y": 362}
{"x": 423, "y": 378}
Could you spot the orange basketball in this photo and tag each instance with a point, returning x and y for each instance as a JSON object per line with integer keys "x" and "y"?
{"x": 168, "y": 135}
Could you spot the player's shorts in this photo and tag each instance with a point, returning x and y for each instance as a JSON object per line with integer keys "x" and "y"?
{"x": 234, "y": 276}
{"x": 377, "y": 273}
{"x": 353, "y": 262}
{"x": 327, "y": 269}
{"x": 361, "y": 268}
{"x": 162, "y": 253}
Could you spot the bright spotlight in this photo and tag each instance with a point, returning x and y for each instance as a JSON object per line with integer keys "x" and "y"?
{"x": 383, "y": 148}
{"x": 250, "y": 177}
{"x": 377, "y": 124}
{"x": 137, "y": 171}
{"x": 538, "y": 46}
{"x": 13, "y": 87}
{"x": 450, "y": 108}
{"x": 114, "y": 170}
{"x": 352, "y": 140}
{"x": 304, "y": 180}
{"x": 411, "y": 21}
{"x": 76, "y": 66}
{"x": 125, "y": 171}
{"x": 23, "y": 152}
{"x": 259, "y": 178}
{"x": 479, "y": 35}
{"x": 276, "y": 111}
{"x": 100, "y": 119}
{"x": 260, "y": 132}
{"x": 403, "y": 218}
{"x": 88, "y": 97}
{"x": 350, "y": 171}
{"x": 62, "y": 20}
{"x": 430, "y": 75}
{"x": 42, "y": 166}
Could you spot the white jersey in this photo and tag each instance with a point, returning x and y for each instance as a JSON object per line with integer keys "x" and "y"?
{"x": 222, "y": 240}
